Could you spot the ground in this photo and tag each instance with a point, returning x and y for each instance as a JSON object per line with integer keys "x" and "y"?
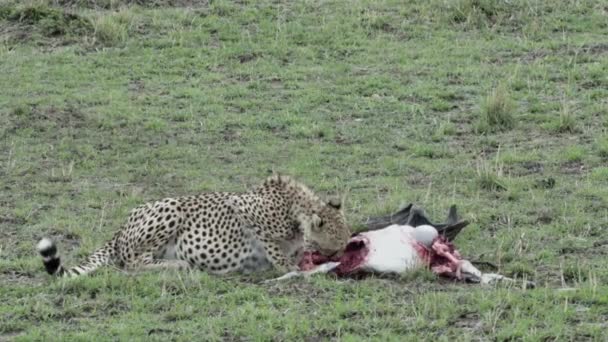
{"x": 498, "y": 107}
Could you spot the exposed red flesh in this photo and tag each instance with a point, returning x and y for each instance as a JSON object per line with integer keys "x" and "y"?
{"x": 445, "y": 259}
{"x": 354, "y": 255}
{"x": 311, "y": 259}
{"x": 441, "y": 257}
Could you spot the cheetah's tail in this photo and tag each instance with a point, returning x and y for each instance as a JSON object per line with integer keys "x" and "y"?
{"x": 52, "y": 262}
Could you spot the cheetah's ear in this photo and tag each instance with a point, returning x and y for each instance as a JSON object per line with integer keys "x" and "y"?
{"x": 335, "y": 203}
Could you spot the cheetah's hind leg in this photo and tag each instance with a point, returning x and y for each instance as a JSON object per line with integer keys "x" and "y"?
{"x": 167, "y": 265}
{"x": 147, "y": 262}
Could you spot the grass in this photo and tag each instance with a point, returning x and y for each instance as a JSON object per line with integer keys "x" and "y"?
{"x": 574, "y": 153}
{"x": 601, "y": 146}
{"x": 490, "y": 177}
{"x": 497, "y": 111}
{"x": 108, "y": 104}
{"x": 110, "y": 30}
{"x": 564, "y": 123}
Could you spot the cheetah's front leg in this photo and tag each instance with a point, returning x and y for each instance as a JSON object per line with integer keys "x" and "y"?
{"x": 277, "y": 256}
{"x": 271, "y": 233}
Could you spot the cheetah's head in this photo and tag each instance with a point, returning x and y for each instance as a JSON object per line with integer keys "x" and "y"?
{"x": 326, "y": 231}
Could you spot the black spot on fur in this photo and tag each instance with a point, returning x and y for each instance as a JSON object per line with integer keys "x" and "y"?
{"x": 52, "y": 265}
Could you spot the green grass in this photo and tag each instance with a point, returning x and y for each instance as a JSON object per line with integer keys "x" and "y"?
{"x": 498, "y": 107}
{"x": 564, "y": 123}
{"x": 496, "y": 111}
{"x": 491, "y": 176}
{"x": 574, "y": 153}
{"x": 601, "y": 146}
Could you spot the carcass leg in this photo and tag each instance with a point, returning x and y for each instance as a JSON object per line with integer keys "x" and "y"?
{"x": 323, "y": 268}
{"x": 443, "y": 250}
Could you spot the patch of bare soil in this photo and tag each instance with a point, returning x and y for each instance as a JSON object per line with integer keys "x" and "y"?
{"x": 43, "y": 119}
{"x": 11, "y": 220}
{"x": 323, "y": 335}
{"x": 470, "y": 321}
{"x": 19, "y": 277}
{"x": 543, "y": 215}
{"x": 247, "y": 57}
{"x": 159, "y": 331}
{"x": 545, "y": 183}
{"x": 599, "y": 48}
{"x": 231, "y": 132}
{"x": 573, "y": 167}
{"x": 587, "y": 49}
{"x": 136, "y": 86}
{"x": 527, "y": 168}
{"x": 9, "y": 336}
{"x": 52, "y": 26}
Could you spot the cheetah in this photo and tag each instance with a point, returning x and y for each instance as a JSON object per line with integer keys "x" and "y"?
{"x": 220, "y": 232}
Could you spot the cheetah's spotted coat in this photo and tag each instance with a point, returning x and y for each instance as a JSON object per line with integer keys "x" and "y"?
{"x": 220, "y": 232}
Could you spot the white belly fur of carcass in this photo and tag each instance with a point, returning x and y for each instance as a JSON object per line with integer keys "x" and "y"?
{"x": 391, "y": 250}
{"x": 394, "y": 250}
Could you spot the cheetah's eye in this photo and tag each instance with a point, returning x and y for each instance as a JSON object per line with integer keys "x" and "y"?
{"x": 321, "y": 223}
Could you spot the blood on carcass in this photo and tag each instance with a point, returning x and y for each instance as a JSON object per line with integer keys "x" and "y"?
{"x": 398, "y": 249}
{"x": 390, "y": 250}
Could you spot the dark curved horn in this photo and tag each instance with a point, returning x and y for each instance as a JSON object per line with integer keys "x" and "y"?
{"x": 415, "y": 216}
